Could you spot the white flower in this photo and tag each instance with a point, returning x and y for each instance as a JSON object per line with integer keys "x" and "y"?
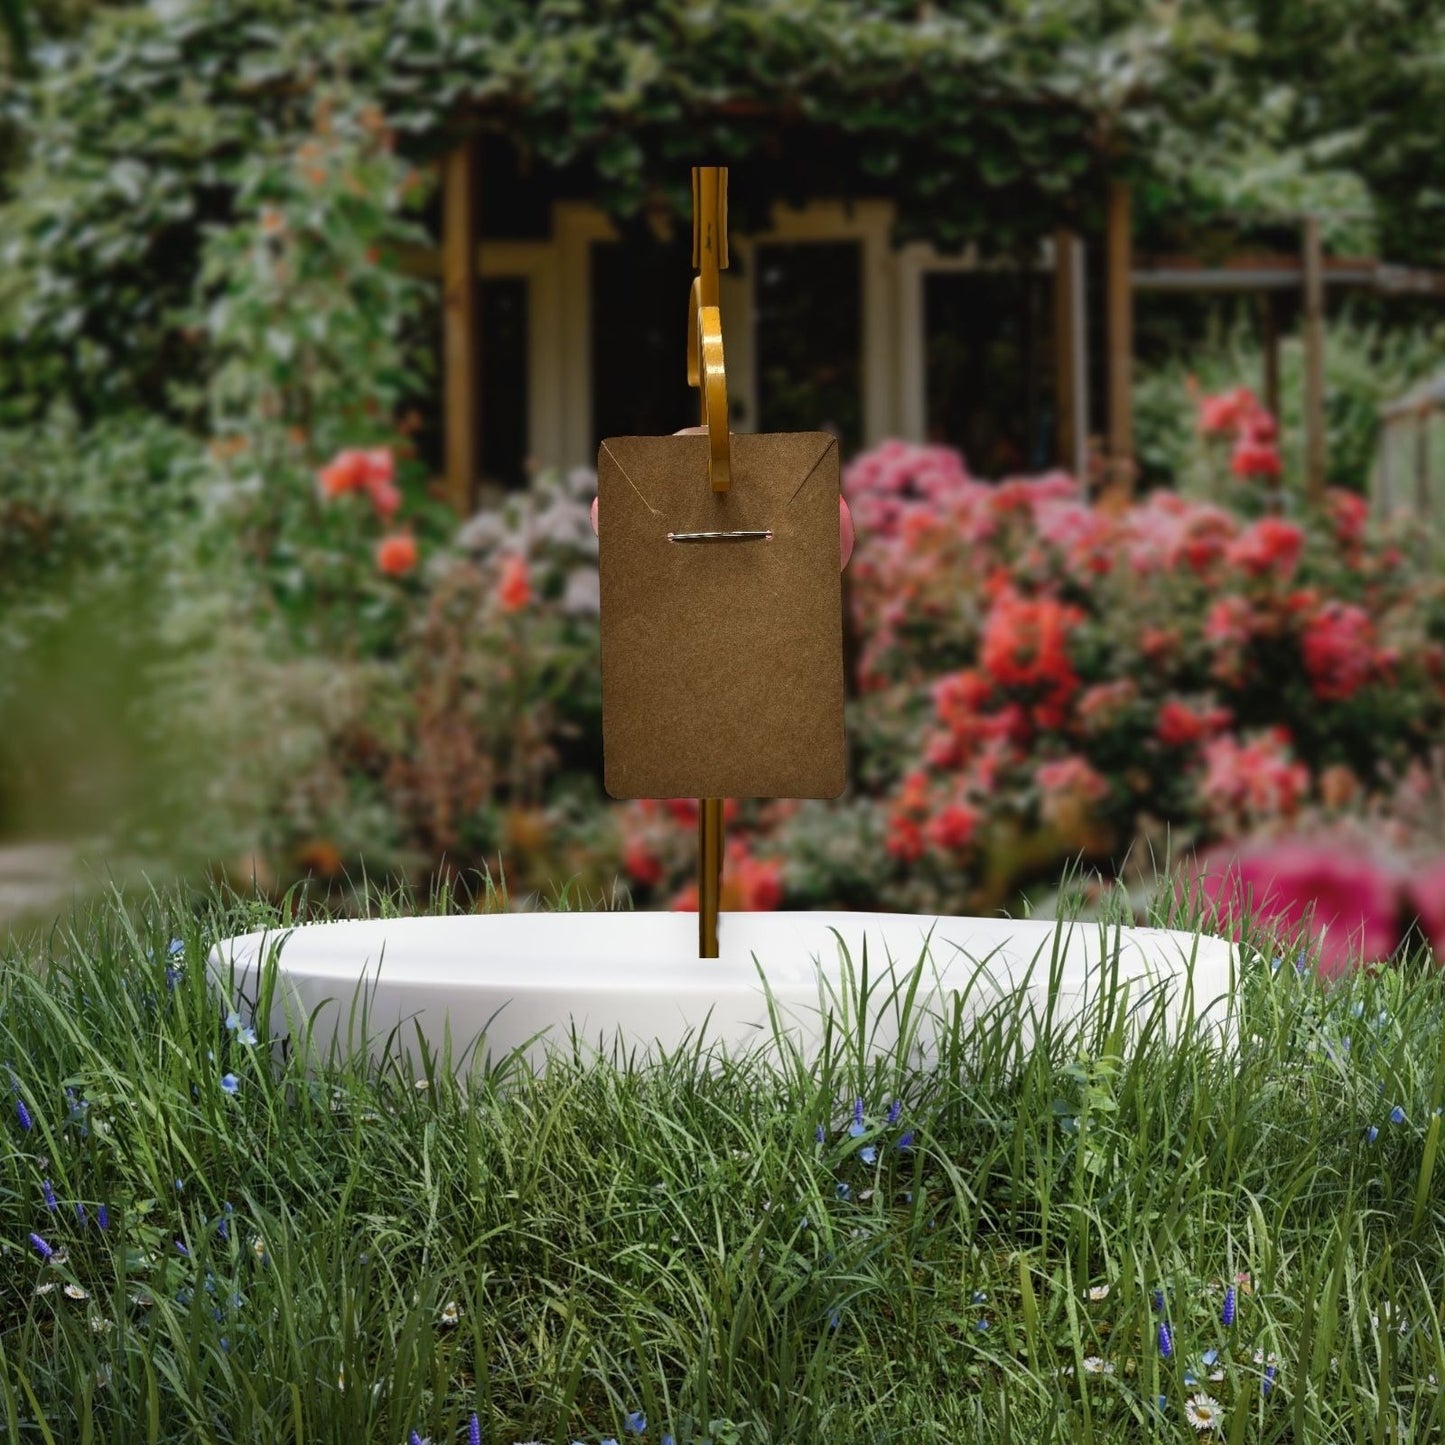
{"x": 1203, "y": 1412}
{"x": 74, "y": 1291}
{"x": 1098, "y": 1292}
{"x": 451, "y": 1313}
{"x": 341, "y": 1378}
{"x": 1096, "y": 1365}
{"x": 45, "y": 1288}
{"x": 100, "y": 1325}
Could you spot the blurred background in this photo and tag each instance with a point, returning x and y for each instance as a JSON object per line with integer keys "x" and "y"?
{"x": 1130, "y": 319}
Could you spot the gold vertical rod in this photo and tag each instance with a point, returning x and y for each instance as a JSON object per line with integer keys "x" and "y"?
{"x": 461, "y": 323}
{"x": 709, "y": 873}
{"x": 709, "y": 255}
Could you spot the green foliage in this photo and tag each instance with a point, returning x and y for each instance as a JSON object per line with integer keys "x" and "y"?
{"x": 986, "y": 124}
{"x": 1367, "y": 365}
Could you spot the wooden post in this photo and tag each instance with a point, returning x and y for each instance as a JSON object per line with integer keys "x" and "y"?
{"x": 461, "y": 318}
{"x": 1314, "y": 279}
{"x": 1119, "y": 299}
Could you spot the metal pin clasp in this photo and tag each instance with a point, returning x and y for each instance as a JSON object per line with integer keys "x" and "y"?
{"x": 766, "y": 536}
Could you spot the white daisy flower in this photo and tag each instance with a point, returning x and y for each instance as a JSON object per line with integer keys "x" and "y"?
{"x": 74, "y": 1291}
{"x": 46, "y": 1287}
{"x": 1096, "y": 1365}
{"x": 1203, "y": 1412}
{"x": 1098, "y": 1292}
{"x": 451, "y": 1312}
{"x": 258, "y": 1247}
{"x": 59, "y": 1258}
{"x": 100, "y": 1325}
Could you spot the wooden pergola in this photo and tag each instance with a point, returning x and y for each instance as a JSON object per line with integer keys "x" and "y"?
{"x": 1308, "y": 273}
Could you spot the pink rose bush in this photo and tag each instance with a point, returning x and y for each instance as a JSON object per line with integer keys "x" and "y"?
{"x": 1041, "y": 678}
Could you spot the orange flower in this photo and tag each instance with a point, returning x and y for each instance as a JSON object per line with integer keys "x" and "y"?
{"x": 272, "y": 221}
{"x": 514, "y": 591}
{"x": 396, "y": 554}
{"x": 346, "y": 472}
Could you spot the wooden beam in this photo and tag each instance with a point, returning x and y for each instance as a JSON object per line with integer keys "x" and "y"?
{"x": 461, "y": 323}
{"x": 1314, "y": 336}
{"x": 1119, "y": 301}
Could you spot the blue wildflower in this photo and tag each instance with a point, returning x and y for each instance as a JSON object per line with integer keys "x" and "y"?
{"x": 233, "y": 1021}
{"x": 247, "y": 1036}
{"x": 1227, "y": 1313}
{"x": 176, "y": 946}
{"x": 40, "y": 1246}
{"x": 1162, "y": 1402}
{"x": 1268, "y": 1383}
{"x": 1158, "y": 1301}
{"x": 1372, "y": 1133}
{"x": 1397, "y": 1115}
{"x": 474, "y": 1430}
{"x": 818, "y": 1134}
{"x": 841, "y": 1190}
{"x": 868, "y": 1154}
{"x": 1190, "y": 1379}
{"x": 906, "y": 1142}
{"x": 180, "y": 1185}
{"x": 667, "y": 1440}
{"x": 80, "y": 1214}
{"x": 895, "y": 1109}
{"x": 1210, "y": 1357}
{"x": 181, "y": 1249}
{"x": 979, "y": 1297}
{"x": 23, "y": 1114}
{"x": 49, "y": 1193}
{"x": 856, "y": 1127}
{"x": 835, "y": 1318}
{"x": 981, "y": 1326}
{"x": 230, "y": 1083}
{"x": 1166, "y": 1341}
{"x": 102, "y": 1218}
{"x": 413, "y": 1438}
{"x": 635, "y": 1423}
{"x": 609, "y": 1441}
{"x": 1273, "y": 968}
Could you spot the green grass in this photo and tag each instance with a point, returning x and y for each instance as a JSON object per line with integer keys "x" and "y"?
{"x": 672, "y": 1238}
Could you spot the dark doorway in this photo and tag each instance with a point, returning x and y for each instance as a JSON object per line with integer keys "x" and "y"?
{"x": 639, "y": 338}
{"x": 809, "y": 299}
{"x": 990, "y": 368}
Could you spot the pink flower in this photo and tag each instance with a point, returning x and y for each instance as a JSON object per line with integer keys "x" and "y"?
{"x": 1349, "y": 512}
{"x": 1072, "y": 776}
{"x": 1327, "y": 895}
{"x": 1252, "y": 781}
{"x": 1226, "y": 411}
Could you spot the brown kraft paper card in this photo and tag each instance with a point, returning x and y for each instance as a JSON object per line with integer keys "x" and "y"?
{"x": 722, "y": 662}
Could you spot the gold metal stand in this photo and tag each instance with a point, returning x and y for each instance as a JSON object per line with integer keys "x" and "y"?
{"x": 706, "y": 371}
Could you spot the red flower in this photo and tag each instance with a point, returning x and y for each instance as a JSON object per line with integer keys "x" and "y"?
{"x": 1025, "y": 646}
{"x": 905, "y": 839}
{"x": 952, "y": 828}
{"x": 1180, "y": 727}
{"x": 1349, "y": 512}
{"x": 1269, "y": 546}
{"x": 1339, "y": 651}
{"x": 1255, "y": 458}
{"x": 642, "y": 864}
{"x": 396, "y": 555}
{"x": 514, "y": 591}
{"x": 1257, "y": 779}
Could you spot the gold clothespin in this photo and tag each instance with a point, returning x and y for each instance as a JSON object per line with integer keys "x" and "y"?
{"x": 705, "y": 368}
{"x": 706, "y": 371}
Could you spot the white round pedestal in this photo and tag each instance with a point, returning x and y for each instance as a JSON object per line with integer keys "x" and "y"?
{"x": 632, "y": 982}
